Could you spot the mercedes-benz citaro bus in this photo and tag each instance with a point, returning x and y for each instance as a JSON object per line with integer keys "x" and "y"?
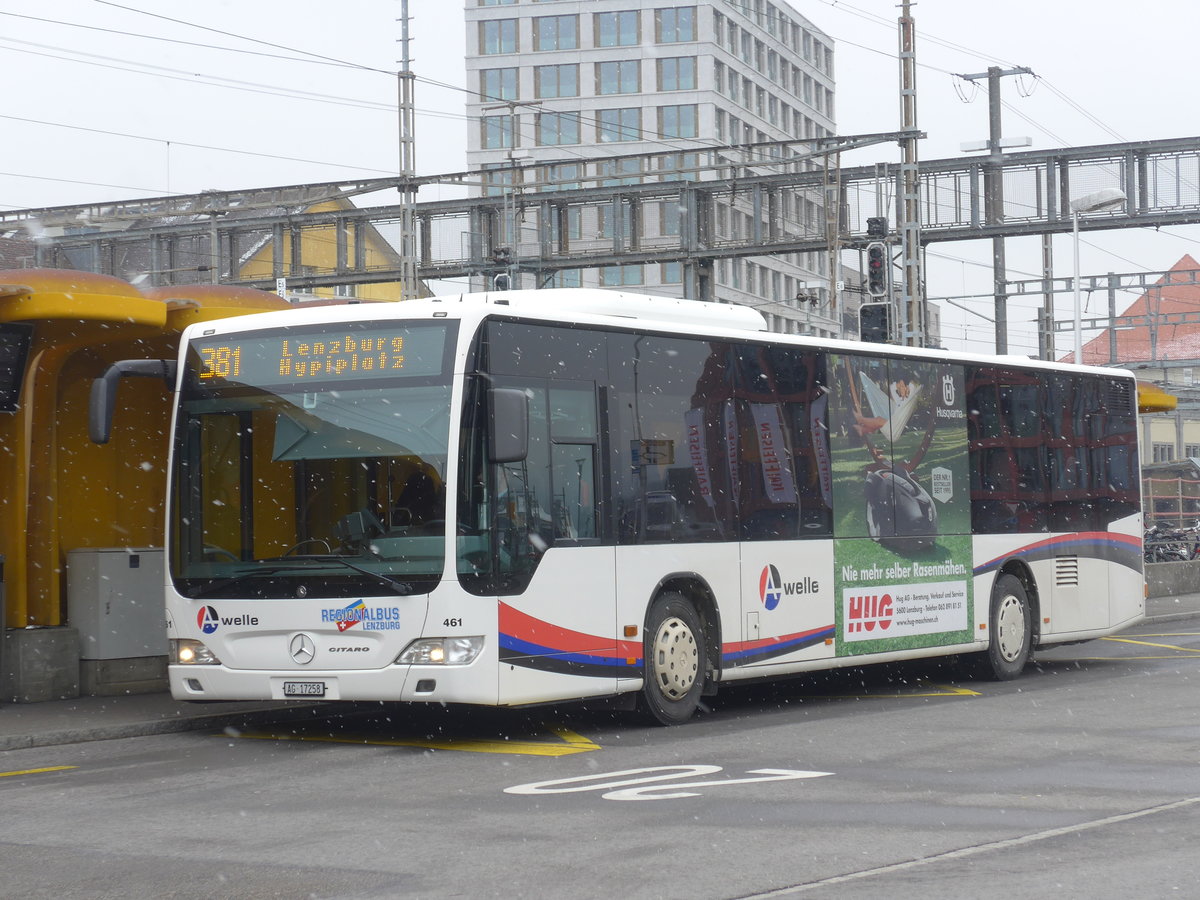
{"x": 514, "y": 498}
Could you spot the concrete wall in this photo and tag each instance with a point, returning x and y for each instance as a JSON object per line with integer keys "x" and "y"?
{"x": 1169, "y": 579}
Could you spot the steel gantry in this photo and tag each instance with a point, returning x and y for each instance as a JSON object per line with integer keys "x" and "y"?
{"x": 693, "y": 207}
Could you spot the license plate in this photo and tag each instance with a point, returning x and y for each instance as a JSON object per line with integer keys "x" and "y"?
{"x": 304, "y": 689}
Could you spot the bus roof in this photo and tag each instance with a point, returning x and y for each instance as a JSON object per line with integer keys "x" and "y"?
{"x": 621, "y": 309}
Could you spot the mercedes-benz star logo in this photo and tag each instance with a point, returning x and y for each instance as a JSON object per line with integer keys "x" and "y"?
{"x": 303, "y": 649}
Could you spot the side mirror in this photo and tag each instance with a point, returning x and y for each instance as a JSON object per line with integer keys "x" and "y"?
{"x": 104, "y": 391}
{"x": 508, "y": 425}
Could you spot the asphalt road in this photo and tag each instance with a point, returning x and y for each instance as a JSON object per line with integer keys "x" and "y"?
{"x": 1080, "y": 778}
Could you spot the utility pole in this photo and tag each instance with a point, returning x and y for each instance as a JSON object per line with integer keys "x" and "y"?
{"x": 912, "y": 298}
{"x": 1046, "y": 314}
{"x": 993, "y": 188}
{"x": 408, "y": 165}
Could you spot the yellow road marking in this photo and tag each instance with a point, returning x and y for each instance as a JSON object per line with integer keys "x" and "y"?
{"x": 1151, "y": 644}
{"x": 1174, "y": 634}
{"x": 38, "y": 771}
{"x": 570, "y": 743}
{"x": 940, "y": 690}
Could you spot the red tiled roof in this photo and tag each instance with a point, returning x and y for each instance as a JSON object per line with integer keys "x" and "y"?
{"x": 1141, "y": 343}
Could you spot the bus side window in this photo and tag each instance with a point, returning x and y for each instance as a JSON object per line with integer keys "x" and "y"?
{"x": 670, "y": 470}
{"x": 574, "y": 433}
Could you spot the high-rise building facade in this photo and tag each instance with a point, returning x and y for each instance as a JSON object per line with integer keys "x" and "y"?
{"x": 575, "y": 90}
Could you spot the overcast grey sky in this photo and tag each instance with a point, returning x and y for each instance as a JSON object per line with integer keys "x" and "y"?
{"x": 111, "y": 99}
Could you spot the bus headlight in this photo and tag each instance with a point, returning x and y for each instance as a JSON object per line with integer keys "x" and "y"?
{"x": 186, "y": 652}
{"x": 443, "y": 651}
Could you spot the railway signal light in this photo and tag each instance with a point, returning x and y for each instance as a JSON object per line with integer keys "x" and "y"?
{"x": 875, "y": 322}
{"x": 877, "y": 227}
{"x": 878, "y": 269}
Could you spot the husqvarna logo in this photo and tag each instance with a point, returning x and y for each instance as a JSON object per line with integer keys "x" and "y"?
{"x": 948, "y": 390}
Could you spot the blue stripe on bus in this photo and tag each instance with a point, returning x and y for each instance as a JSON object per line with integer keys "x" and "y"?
{"x": 523, "y": 653}
{"x": 1121, "y": 549}
{"x": 781, "y": 648}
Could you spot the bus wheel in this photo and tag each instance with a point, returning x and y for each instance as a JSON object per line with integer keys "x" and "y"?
{"x": 1010, "y": 631}
{"x": 675, "y": 661}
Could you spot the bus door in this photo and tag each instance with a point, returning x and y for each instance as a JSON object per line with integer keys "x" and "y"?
{"x": 529, "y": 529}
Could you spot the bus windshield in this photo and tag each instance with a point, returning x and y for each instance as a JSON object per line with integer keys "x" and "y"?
{"x": 312, "y": 462}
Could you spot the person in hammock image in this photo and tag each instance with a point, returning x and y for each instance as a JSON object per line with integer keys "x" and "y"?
{"x": 890, "y": 411}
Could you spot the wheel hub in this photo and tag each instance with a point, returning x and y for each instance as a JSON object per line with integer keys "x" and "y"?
{"x": 676, "y": 658}
{"x": 1010, "y": 625}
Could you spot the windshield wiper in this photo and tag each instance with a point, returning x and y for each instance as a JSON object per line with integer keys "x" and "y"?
{"x": 400, "y": 587}
{"x": 230, "y": 582}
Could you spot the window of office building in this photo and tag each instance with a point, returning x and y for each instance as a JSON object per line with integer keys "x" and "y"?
{"x": 619, "y": 125}
{"x": 677, "y": 74}
{"x": 563, "y": 176}
{"x": 498, "y": 36}
{"x": 618, "y": 77}
{"x": 556, "y": 81}
{"x": 565, "y": 224}
{"x": 675, "y": 24}
{"x": 668, "y": 217}
{"x": 621, "y": 276}
{"x": 677, "y": 121}
{"x": 499, "y": 132}
{"x": 556, "y": 33}
{"x": 497, "y": 183}
{"x": 616, "y": 172}
{"x": 498, "y": 84}
{"x": 678, "y": 165}
{"x": 555, "y": 128}
{"x": 616, "y": 29}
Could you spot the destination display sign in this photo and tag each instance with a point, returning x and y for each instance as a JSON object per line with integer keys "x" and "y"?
{"x": 343, "y": 353}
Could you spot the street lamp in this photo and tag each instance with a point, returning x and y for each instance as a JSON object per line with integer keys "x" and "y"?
{"x": 1100, "y": 201}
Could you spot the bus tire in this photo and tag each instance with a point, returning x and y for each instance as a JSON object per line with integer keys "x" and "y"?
{"x": 1010, "y": 631}
{"x": 675, "y": 661}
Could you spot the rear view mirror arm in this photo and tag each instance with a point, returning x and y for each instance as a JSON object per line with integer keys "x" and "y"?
{"x": 104, "y": 391}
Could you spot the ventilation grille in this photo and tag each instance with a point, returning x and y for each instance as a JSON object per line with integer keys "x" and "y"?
{"x": 1066, "y": 571}
{"x": 1119, "y": 397}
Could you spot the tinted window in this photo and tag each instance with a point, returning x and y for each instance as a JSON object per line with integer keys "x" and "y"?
{"x": 671, "y": 421}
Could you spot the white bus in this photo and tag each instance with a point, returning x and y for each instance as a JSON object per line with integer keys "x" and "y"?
{"x": 524, "y": 497}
